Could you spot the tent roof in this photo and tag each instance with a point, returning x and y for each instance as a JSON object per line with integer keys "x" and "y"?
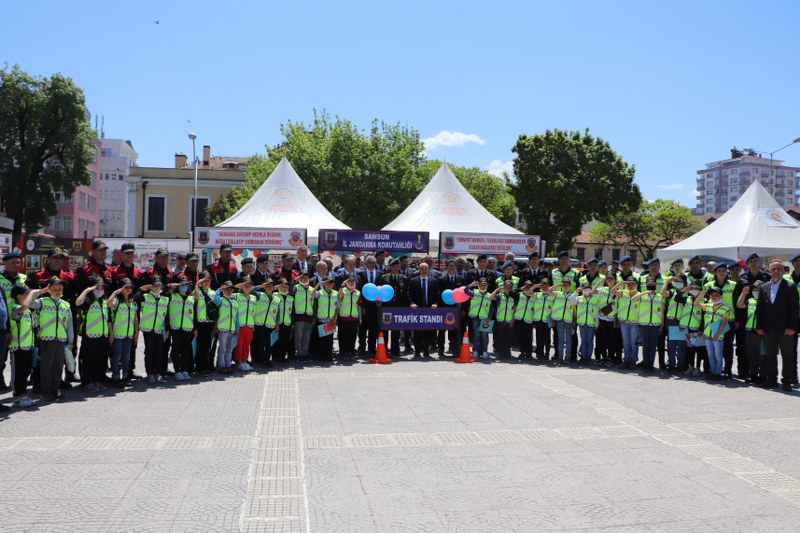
{"x": 445, "y": 205}
{"x": 755, "y": 223}
{"x": 283, "y": 201}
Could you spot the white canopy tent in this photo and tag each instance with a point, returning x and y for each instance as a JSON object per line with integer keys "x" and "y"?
{"x": 755, "y": 223}
{"x": 284, "y": 201}
{"x": 445, "y": 205}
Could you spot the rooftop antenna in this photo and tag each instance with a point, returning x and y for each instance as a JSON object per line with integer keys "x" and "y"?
{"x": 102, "y": 126}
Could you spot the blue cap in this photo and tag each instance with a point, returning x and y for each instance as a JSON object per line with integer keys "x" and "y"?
{"x": 626, "y": 258}
{"x": 734, "y": 264}
{"x": 794, "y": 257}
{"x": 592, "y": 260}
{"x": 720, "y": 265}
{"x": 563, "y": 253}
{"x": 646, "y": 263}
{"x": 654, "y": 260}
{"x": 751, "y": 256}
{"x": 507, "y": 264}
{"x": 12, "y": 255}
{"x": 602, "y": 262}
{"x": 677, "y": 262}
{"x": 695, "y": 258}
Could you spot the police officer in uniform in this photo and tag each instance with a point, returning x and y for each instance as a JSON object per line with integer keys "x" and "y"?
{"x": 223, "y": 269}
{"x": 399, "y": 283}
{"x": 160, "y": 268}
{"x": 450, "y": 280}
{"x": 10, "y": 277}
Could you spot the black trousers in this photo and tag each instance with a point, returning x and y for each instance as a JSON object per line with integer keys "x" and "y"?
{"x": 259, "y": 348}
{"x": 204, "y": 358}
{"x": 727, "y": 351}
{"x": 661, "y": 347}
{"x": 452, "y": 340}
{"x": 524, "y": 334}
{"x": 323, "y": 346}
{"x": 92, "y": 359}
{"x": 774, "y": 341}
{"x": 422, "y": 341}
{"x": 348, "y": 331}
{"x": 501, "y": 341}
{"x": 543, "y": 340}
{"x": 155, "y": 354}
{"x": 604, "y": 341}
{"x": 742, "y": 356}
{"x": 181, "y": 350}
{"x": 22, "y": 364}
{"x": 392, "y": 337}
{"x": 368, "y": 331}
{"x": 752, "y": 349}
{"x": 281, "y": 348}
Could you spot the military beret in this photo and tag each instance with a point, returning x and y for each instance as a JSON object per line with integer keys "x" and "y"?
{"x": 563, "y": 253}
{"x": 263, "y": 258}
{"x": 602, "y": 262}
{"x": 625, "y": 259}
{"x": 247, "y": 261}
{"x": 507, "y": 264}
{"x": 695, "y": 258}
{"x": 734, "y": 264}
{"x": 654, "y": 260}
{"x": 12, "y": 255}
{"x": 794, "y": 258}
{"x": 678, "y": 261}
{"x": 751, "y": 256}
{"x": 591, "y": 260}
{"x": 720, "y": 265}
{"x": 534, "y": 254}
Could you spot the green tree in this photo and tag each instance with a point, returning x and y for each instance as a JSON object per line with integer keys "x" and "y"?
{"x": 566, "y": 179}
{"x": 492, "y": 192}
{"x": 654, "y": 225}
{"x": 46, "y": 145}
{"x": 364, "y": 178}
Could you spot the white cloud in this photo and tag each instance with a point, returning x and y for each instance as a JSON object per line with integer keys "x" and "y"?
{"x": 671, "y": 186}
{"x": 497, "y": 168}
{"x": 693, "y": 193}
{"x": 451, "y": 138}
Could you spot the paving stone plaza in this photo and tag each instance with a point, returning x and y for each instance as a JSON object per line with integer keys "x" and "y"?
{"x": 415, "y": 446}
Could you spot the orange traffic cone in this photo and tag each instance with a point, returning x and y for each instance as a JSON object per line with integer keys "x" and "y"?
{"x": 466, "y": 351}
{"x": 380, "y": 352}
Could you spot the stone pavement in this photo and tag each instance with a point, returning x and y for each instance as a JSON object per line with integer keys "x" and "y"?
{"x": 414, "y": 446}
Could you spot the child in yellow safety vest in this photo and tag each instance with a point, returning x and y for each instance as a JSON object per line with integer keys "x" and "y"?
{"x": 748, "y": 299}
{"x": 266, "y": 320}
{"x": 153, "y": 308}
{"x": 284, "y": 327}
{"x": 96, "y": 328}
{"x": 562, "y": 312}
{"x": 349, "y": 317}
{"x": 56, "y": 334}
{"x": 585, "y": 304}
{"x": 651, "y": 321}
{"x": 326, "y": 310}
{"x": 523, "y": 320}
{"x": 22, "y": 341}
{"x": 715, "y": 325}
{"x": 247, "y": 318}
{"x": 628, "y": 316}
{"x": 608, "y": 348}
{"x": 124, "y": 331}
{"x": 541, "y": 306}
{"x": 690, "y": 322}
{"x": 182, "y": 327}
{"x": 505, "y": 304}
{"x": 227, "y": 326}
{"x": 479, "y": 315}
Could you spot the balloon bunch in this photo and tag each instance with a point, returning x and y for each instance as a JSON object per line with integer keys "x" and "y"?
{"x": 373, "y": 293}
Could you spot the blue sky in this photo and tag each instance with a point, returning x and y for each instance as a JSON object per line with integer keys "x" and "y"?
{"x": 671, "y": 85}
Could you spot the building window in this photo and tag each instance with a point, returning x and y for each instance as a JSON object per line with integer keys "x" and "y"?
{"x": 87, "y": 202}
{"x": 615, "y": 254}
{"x": 202, "y": 207}
{"x": 86, "y": 227}
{"x": 598, "y": 253}
{"x": 60, "y": 224}
{"x": 156, "y": 213}
{"x": 580, "y": 253}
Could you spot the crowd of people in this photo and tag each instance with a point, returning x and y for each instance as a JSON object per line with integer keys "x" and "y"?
{"x": 222, "y": 319}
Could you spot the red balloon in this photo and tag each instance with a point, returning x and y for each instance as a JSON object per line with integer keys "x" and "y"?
{"x": 256, "y": 253}
{"x": 459, "y": 296}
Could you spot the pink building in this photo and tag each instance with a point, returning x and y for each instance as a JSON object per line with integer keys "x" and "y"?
{"x": 78, "y": 215}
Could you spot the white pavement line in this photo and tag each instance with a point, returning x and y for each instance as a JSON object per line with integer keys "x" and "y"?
{"x": 251, "y": 479}
{"x": 244, "y": 442}
{"x": 745, "y": 468}
{"x": 301, "y": 452}
{"x": 461, "y": 438}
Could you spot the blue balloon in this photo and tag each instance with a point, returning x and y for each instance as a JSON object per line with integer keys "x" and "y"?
{"x": 369, "y": 291}
{"x": 386, "y": 292}
{"x": 447, "y": 297}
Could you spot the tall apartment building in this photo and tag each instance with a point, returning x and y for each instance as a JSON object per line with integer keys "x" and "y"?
{"x": 722, "y": 182}
{"x": 117, "y": 156}
{"x": 77, "y": 214}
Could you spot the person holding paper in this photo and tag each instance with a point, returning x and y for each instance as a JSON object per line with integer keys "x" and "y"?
{"x": 674, "y": 292}
{"x": 349, "y": 317}
{"x": 283, "y": 328}
{"x": 606, "y": 352}
{"x": 727, "y": 288}
{"x": 247, "y": 319}
{"x": 776, "y": 321}
{"x": 690, "y": 321}
{"x": 326, "y": 311}
{"x": 479, "y": 314}
{"x": 715, "y": 318}
{"x": 523, "y": 321}
{"x": 266, "y": 320}
{"x": 227, "y": 326}
{"x": 562, "y": 311}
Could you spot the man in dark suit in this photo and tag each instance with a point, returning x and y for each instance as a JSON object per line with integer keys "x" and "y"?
{"x": 400, "y": 285}
{"x": 449, "y": 280}
{"x": 535, "y": 271}
{"x": 347, "y": 269}
{"x": 423, "y": 291}
{"x": 301, "y": 262}
{"x": 480, "y": 271}
{"x": 777, "y": 314}
{"x": 368, "y": 331}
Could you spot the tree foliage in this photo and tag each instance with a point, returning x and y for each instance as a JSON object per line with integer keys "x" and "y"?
{"x": 654, "y": 225}
{"x": 46, "y": 145}
{"x": 566, "y": 179}
{"x": 365, "y": 179}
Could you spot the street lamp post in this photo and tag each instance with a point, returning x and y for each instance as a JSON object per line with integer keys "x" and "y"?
{"x": 772, "y": 153}
{"x": 193, "y": 136}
